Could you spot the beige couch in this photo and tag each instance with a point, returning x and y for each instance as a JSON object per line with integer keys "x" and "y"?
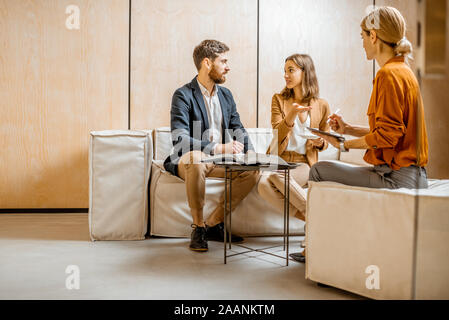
{"x": 379, "y": 243}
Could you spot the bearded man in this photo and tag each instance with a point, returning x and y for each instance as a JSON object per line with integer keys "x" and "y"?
{"x": 204, "y": 122}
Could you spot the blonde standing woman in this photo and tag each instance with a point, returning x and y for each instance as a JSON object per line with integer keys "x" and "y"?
{"x": 298, "y": 106}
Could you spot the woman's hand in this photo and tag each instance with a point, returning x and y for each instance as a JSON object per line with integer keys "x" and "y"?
{"x": 300, "y": 109}
{"x": 297, "y": 109}
{"x": 332, "y": 140}
{"x": 337, "y": 123}
{"x": 317, "y": 142}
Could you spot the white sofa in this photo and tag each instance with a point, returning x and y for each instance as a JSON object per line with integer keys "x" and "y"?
{"x": 379, "y": 243}
{"x": 169, "y": 211}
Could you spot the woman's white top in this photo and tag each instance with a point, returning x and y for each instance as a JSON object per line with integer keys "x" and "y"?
{"x": 296, "y": 142}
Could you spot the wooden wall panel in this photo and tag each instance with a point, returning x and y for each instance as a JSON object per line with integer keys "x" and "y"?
{"x": 409, "y": 10}
{"x": 435, "y": 90}
{"x": 436, "y": 103}
{"x": 56, "y": 85}
{"x": 164, "y": 34}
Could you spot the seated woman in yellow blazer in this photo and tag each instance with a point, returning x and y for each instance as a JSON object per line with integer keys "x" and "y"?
{"x": 298, "y": 106}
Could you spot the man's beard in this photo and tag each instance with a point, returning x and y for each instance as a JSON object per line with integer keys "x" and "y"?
{"x": 216, "y": 77}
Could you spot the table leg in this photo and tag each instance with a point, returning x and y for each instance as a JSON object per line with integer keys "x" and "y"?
{"x": 230, "y": 210}
{"x": 288, "y": 212}
{"x": 285, "y": 204}
{"x": 225, "y": 210}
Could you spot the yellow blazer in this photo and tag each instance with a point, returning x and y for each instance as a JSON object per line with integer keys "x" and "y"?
{"x": 280, "y": 107}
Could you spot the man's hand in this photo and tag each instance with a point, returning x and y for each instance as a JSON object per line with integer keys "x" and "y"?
{"x": 230, "y": 147}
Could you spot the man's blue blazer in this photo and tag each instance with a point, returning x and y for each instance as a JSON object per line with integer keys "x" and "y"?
{"x": 189, "y": 121}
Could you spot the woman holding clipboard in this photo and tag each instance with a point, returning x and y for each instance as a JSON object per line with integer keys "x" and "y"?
{"x": 297, "y": 107}
{"x": 396, "y": 139}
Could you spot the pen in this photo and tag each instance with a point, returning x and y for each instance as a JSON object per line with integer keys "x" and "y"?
{"x": 336, "y": 112}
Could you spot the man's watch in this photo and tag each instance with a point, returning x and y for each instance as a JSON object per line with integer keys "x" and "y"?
{"x": 342, "y": 147}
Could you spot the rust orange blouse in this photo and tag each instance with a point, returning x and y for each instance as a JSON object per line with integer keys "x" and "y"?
{"x": 398, "y": 135}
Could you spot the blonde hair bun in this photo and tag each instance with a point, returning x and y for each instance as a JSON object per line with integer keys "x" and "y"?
{"x": 403, "y": 47}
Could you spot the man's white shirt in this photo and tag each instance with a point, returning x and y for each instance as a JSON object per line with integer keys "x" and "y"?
{"x": 214, "y": 113}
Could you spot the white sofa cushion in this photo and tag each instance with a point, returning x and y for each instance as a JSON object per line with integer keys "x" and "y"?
{"x": 119, "y": 169}
{"x": 162, "y": 144}
{"x": 352, "y": 228}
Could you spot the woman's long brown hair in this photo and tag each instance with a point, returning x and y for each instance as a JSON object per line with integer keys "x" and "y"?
{"x": 310, "y": 88}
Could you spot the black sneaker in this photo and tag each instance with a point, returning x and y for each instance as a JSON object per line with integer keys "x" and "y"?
{"x": 216, "y": 233}
{"x": 300, "y": 257}
{"x": 198, "y": 240}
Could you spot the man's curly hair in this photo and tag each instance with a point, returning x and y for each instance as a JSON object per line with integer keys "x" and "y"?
{"x": 208, "y": 49}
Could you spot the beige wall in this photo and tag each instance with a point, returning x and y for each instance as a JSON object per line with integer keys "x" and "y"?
{"x": 164, "y": 34}
{"x": 56, "y": 86}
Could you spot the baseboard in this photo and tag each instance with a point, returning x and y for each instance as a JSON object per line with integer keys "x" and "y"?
{"x": 44, "y": 210}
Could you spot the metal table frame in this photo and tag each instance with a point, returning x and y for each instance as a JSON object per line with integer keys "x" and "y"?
{"x": 229, "y": 169}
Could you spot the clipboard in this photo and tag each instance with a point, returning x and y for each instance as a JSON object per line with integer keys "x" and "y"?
{"x": 335, "y": 135}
